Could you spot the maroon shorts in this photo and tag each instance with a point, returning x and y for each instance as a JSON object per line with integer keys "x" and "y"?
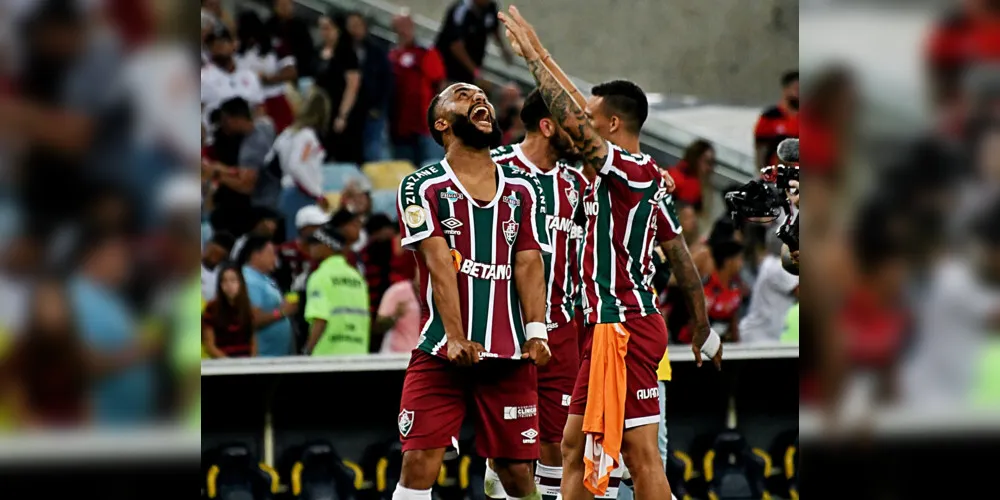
{"x": 581, "y": 328}
{"x": 556, "y": 380}
{"x": 505, "y": 396}
{"x": 646, "y": 345}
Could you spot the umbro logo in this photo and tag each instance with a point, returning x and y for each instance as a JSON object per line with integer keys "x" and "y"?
{"x": 451, "y": 226}
{"x": 529, "y": 436}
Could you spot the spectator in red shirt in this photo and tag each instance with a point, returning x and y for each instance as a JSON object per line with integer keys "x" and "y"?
{"x": 419, "y": 75}
{"x": 692, "y": 174}
{"x": 294, "y": 262}
{"x": 227, "y": 323}
{"x": 778, "y": 122}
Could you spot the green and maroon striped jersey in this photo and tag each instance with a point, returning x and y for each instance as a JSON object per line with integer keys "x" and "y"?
{"x": 562, "y": 188}
{"x": 627, "y": 212}
{"x": 484, "y": 236}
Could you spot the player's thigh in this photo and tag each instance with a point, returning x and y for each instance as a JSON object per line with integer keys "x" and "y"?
{"x": 432, "y": 406}
{"x": 647, "y": 344}
{"x": 506, "y": 403}
{"x": 578, "y": 402}
{"x": 640, "y": 451}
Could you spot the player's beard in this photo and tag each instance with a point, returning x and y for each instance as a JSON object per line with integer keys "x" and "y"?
{"x": 472, "y": 137}
{"x": 565, "y": 148}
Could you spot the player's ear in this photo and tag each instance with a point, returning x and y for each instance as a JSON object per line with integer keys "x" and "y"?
{"x": 614, "y": 123}
{"x": 441, "y": 125}
{"x": 548, "y": 127}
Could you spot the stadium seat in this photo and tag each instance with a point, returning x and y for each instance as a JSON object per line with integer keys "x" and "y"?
{"x": 777, "y": 482}
{"x": 320, "y": 474}
{"x": 384, "y": 202}
{"x": 388, "y": 470}
{"x": 235, "y": 474}
{"x": 387, "y": 174}
{"x": 680, "y": 470}
{"x": 336, "y": 176}
{"x": 791, "y": 466}
{"x": 734, "y": 471}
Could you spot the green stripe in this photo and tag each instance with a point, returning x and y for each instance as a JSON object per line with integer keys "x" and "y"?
{"x": 483, "y": 239}
{"x": 605, "y": 261}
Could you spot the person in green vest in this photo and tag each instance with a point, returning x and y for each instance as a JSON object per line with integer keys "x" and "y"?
{"x": 791, "y": 332}
{"x": 987, "y": 386}
{"x": 336, "y": 294}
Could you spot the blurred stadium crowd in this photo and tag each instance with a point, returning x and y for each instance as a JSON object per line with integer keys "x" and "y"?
{"x": 305, "y": 132}
{"x": 99, "y": 196}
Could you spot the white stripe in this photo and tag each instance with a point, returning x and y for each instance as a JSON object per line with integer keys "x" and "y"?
{"x": 640, "y": 421}
{"x": 430, "y": 319}
{"x": 628, "y": 237}
{"x": 488, "y": 343}
{"x": 648, "y": 271}
{"x": 597, "y": 288}
{"x": 468, "y": 277}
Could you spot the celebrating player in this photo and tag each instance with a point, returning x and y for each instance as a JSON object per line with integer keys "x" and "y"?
{"x": 615, "y": 404}
{"x": 479, "y": 233}
{"x": 547, "y": 152}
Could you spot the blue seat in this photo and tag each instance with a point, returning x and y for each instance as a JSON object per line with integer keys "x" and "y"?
{"x": 336, "y": 176}
{"x": 384, "y": 202}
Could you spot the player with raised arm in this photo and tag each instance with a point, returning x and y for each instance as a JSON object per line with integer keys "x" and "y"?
{"x": 479, "y": 233}
{"x": 615, "y": 404}
{"x": 547, "y": 153}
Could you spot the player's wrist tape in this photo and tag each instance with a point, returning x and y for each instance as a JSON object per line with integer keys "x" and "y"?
{"x": 536, "y": 330}
{"x": 712, "y": 344}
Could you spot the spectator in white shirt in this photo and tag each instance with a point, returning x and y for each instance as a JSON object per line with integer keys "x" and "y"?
{"x": 774, "y": 292}
{"x": 222, "y": 80}
{"x": 273, "y": 63}
{"x": 301, "y": 154}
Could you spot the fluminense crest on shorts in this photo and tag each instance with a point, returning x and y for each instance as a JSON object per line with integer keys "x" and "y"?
{"x": 405, "y": 422}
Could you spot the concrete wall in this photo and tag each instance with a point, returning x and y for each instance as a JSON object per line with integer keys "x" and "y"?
{"x": 725, "y": 50}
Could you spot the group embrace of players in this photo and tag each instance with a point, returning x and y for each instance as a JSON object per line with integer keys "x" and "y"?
{"x": 515, "y": 248}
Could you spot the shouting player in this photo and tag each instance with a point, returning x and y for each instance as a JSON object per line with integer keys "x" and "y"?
{"x": 547, "y": 152}
{"x": 479, "y": 233}
{"x": 615, "y": 404}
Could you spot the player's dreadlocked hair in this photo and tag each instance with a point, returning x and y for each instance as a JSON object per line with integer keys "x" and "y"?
{"x": 432, "y": 117}
{"x": 626, "y": 100}
{"x": 534, "y": 110}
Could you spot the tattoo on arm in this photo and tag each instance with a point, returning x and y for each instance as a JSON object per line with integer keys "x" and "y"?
{"x": 689, "y": 281}
{"x": 570, "y": 116}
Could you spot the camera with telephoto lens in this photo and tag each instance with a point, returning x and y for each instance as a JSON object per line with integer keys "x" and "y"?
{"x": 762, "y": 201}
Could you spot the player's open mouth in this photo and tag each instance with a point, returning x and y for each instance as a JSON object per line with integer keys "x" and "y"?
{"x": 480, "y": 115}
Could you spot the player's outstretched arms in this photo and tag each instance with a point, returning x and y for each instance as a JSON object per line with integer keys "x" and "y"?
{"x": 704, "y": 339}
{"x": 547, "y": 59}
{"x": 529, "y": 278}
{"x": 564, "y": 108}
{"x": 444, "y": 286}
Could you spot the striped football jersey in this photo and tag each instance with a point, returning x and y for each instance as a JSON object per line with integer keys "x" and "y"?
{"x": 562, "y": 188}
{"x": 627, "y": 212}
{"x": 483, "y": 236}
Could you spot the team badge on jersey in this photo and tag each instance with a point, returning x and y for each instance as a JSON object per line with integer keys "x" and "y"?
{"x": 405, "y": 422}
{"x": 510, "y": 231}
{"x": 414, "y": 215}
{"x": 572, "y": 196}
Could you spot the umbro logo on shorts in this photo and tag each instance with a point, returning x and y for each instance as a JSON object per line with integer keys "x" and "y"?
{"x": 529, "y": 436}
{"x": 517, "y": 412}
{"x": 566, "y": 399}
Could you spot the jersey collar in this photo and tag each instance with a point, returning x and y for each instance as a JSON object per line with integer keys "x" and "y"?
{"x": 501, "y": 184}
{"x": 531, "y": 166}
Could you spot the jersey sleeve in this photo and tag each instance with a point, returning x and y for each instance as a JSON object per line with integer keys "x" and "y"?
{"x": 637, "y": 171}
{"x": 532, "y": 233}
{"x": 418, "y": 218}
{"x": 317, "y": 300}
{"x": 668, "y": 224}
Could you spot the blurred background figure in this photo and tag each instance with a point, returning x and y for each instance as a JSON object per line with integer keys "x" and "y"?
{"x": 370, "y": 117}
{"x": 778, "y": 122}
{"x": 418, "y": 74}
{"x": 273, "y": 64}
{"x": 465, "y": 30}
{"x": 338, "y": 73}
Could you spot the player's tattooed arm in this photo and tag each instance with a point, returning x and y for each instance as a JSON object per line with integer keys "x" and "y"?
{"x": 689, "y": 281}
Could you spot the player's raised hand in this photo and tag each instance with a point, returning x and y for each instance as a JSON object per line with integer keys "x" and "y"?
{"x": 518, "y": 37}
{"x": 464, "y": 352}
{"x": 529, "y": 31}
{"x": 537, "y": 350}
{"x": 668, "y": 181}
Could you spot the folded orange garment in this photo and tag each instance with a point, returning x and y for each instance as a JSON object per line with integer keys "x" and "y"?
{"x": 604, "y": 417}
